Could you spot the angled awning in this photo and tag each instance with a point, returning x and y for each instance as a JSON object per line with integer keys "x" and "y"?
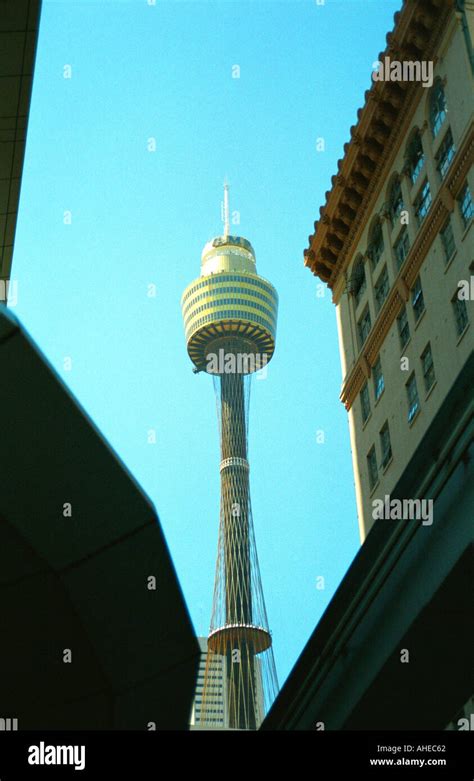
{"x": 80, "y": 582}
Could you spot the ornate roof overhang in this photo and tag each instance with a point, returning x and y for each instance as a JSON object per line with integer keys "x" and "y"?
{"x": 417, "y": 30}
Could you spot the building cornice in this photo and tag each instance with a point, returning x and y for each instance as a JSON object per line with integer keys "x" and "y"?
{"x": 388, "y": 109}
{"x": 441, "y": 207}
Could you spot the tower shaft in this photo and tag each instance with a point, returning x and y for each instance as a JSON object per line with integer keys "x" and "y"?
{"x": 235, "y": 501}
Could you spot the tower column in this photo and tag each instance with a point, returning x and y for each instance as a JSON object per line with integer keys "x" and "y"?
{"x": 235, "y": 499}
{"x": 234, "y": 518}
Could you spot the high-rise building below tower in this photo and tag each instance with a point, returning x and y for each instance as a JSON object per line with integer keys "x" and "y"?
{"x": 214, "y": 714}
{"x": 217, "y": 701}
{"x": 230, "y": 315}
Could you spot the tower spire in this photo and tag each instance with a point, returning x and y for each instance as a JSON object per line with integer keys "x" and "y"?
{"x": 226, "y": 209}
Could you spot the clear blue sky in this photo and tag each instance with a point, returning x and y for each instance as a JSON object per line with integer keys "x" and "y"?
{"x": 141, "y": 218}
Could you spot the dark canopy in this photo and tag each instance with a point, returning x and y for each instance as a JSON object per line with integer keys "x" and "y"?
{"x": 80, "y": 582}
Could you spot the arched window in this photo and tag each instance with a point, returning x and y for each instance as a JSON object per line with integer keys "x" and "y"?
{"x": 358, "y": 281}
{"x": 395, "y": 200}
{"x": 437, "y": 108}
{"x": 375, "y": 248}
{"x": 414, "y": 156}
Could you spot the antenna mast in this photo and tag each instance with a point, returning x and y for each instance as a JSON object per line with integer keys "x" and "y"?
{"x": 226, "y": 209}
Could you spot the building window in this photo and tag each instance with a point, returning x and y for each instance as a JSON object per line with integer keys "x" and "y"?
{"x": 372, "y": 467}
{"x": 375, "y": 248}
{"x": 447, "y": 240}
{"x": 381, "y": 289}
{"x": 417, "y": 299}
{"x": 423, "y": 202}
{"x": 437, "y": 108}
{"x": 385, "y": 445}
{"x": 445, "y": 154}
{"x": 365, "y": 402}
{"x": 428, "y": 367}
{"x": 379, "y": 384}
{"x": 465, "y": 205}
{"x": 415, "y": 157}
{"x": 403, "y": 328}
{"x": 358, "y": 281}
{"x": 395, "y": 200}
{"x": 402, "y": 247}
{"x": 363, "y": 326}
{"x": 460, "y": 314}
{"x": 412, "y": 396}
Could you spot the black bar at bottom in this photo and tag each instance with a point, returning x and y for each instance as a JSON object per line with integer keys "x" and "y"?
{"x": 62, "y": 755}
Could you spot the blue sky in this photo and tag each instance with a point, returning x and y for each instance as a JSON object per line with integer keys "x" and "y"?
{"x": 141, "y": 218}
